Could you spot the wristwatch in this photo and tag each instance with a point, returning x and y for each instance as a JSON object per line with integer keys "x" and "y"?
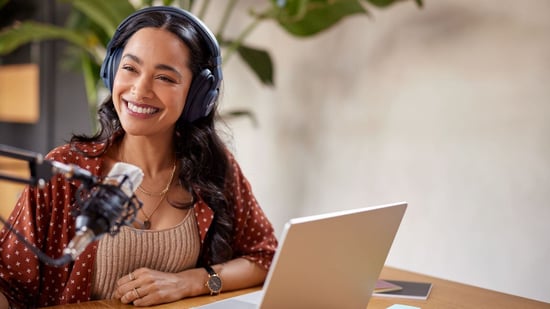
{"x": 214, "y": 282}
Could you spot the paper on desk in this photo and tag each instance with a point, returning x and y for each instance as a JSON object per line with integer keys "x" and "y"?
{"x": 398, "y": 306}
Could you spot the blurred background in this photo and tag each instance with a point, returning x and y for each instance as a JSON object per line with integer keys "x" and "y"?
{"x": 445, "y": 107}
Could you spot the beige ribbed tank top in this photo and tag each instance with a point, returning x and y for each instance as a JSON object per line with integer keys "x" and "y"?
{"x": 170, "y": 250}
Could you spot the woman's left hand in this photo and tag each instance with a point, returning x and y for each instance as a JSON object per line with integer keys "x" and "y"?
{"x": 147, "y": 287}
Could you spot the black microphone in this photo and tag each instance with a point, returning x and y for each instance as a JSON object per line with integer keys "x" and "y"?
{"x": 111, "y": 205}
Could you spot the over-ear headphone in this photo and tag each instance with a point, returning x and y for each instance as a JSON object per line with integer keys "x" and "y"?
{"x": 205, "y": 86}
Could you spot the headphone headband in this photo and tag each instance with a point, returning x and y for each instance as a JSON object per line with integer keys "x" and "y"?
{"x": 205, "y": 86}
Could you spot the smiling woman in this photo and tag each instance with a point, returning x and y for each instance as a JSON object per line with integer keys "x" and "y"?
{"x": 199, "y": 220}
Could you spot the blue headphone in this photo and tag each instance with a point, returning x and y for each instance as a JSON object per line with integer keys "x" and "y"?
{"x": 205, "y": 87}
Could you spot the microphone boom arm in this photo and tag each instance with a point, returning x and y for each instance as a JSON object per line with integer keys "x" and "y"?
{"x": 42, "y": 170}
{"x": 32, "y": 158}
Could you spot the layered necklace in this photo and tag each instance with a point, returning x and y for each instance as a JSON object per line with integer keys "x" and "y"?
{"x": 161, "y": 195}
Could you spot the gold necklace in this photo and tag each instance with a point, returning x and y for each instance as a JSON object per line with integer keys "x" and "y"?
{"x": 161, "y": 193}
{"x": 149, "y": 193}
{"x": 147, "y": 222}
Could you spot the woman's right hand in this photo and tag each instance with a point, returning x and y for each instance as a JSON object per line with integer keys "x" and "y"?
{"x": 147, "y": 287}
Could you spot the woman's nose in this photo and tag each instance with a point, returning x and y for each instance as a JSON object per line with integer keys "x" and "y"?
{"x": 142, "y": 88}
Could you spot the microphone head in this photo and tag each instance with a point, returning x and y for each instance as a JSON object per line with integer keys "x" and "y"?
{"x": 125, "y": 175}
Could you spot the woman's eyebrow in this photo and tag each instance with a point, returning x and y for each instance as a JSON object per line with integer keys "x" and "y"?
{"x": 159, "y": 66}
{"x": 133, "y": 58}
{"x": 166, "y": 67}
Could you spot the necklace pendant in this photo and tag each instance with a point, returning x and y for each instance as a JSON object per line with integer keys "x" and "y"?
{"x": 146, "y": 224}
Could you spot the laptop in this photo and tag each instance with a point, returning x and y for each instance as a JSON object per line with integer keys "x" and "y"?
{"x": 330, "y": 260}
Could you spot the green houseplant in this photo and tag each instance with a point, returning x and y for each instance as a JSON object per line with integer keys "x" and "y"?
{"x": 92, "y": 22}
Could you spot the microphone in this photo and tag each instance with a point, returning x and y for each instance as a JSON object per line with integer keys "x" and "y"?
{"x": 111, "y": 205}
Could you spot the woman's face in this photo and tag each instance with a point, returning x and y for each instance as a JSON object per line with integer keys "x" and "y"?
{"x": 152, "y": 82}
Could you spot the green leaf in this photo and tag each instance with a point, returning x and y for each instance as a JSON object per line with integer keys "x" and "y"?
{"x": 306, "y": 18}
{"x": 385, "y": 3}
{"x": 259, "y": 61}
{"x": 105, "y": 13}
{"x": 381, "y": 3}
{"x": 80, "y": 23}
{"x": 26, "y": 32}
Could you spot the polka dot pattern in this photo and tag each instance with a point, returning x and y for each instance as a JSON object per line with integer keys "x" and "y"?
{"x": 44, "y": 217}
{"x": 254, "y": 235}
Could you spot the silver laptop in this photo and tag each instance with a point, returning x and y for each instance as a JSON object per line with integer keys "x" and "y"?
{"x": 326, "y": 261}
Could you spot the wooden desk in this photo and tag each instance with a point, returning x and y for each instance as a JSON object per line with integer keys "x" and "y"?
{"x": 182, "y": 304}
{"x": 444, "y": 294}
{"x": 449, "y": 294}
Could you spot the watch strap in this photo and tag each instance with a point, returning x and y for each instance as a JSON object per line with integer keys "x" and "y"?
{"x": 210, "y": 270}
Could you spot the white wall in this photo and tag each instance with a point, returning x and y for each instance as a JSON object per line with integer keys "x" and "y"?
{"x": 446, "y": 107}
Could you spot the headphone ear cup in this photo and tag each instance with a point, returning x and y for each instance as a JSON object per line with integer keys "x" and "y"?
{"x": 110, "y": 66}
{"x": 202, "y": 96}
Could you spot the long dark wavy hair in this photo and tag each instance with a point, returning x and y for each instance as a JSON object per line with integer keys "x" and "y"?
{"x": 202, "y": 155}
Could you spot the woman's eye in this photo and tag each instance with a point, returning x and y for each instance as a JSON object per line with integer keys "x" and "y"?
{"x": 128, "y": 68}
{"x": 166, "y": 79}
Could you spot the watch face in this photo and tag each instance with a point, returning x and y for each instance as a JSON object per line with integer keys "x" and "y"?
{"x": 215, "y": 283}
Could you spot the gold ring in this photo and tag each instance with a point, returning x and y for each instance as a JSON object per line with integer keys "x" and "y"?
{"x": 132, "y": 277}
{"x": 137, "y": 293}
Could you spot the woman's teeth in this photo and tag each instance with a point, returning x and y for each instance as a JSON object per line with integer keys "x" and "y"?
{"x": 141, "y": 110}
